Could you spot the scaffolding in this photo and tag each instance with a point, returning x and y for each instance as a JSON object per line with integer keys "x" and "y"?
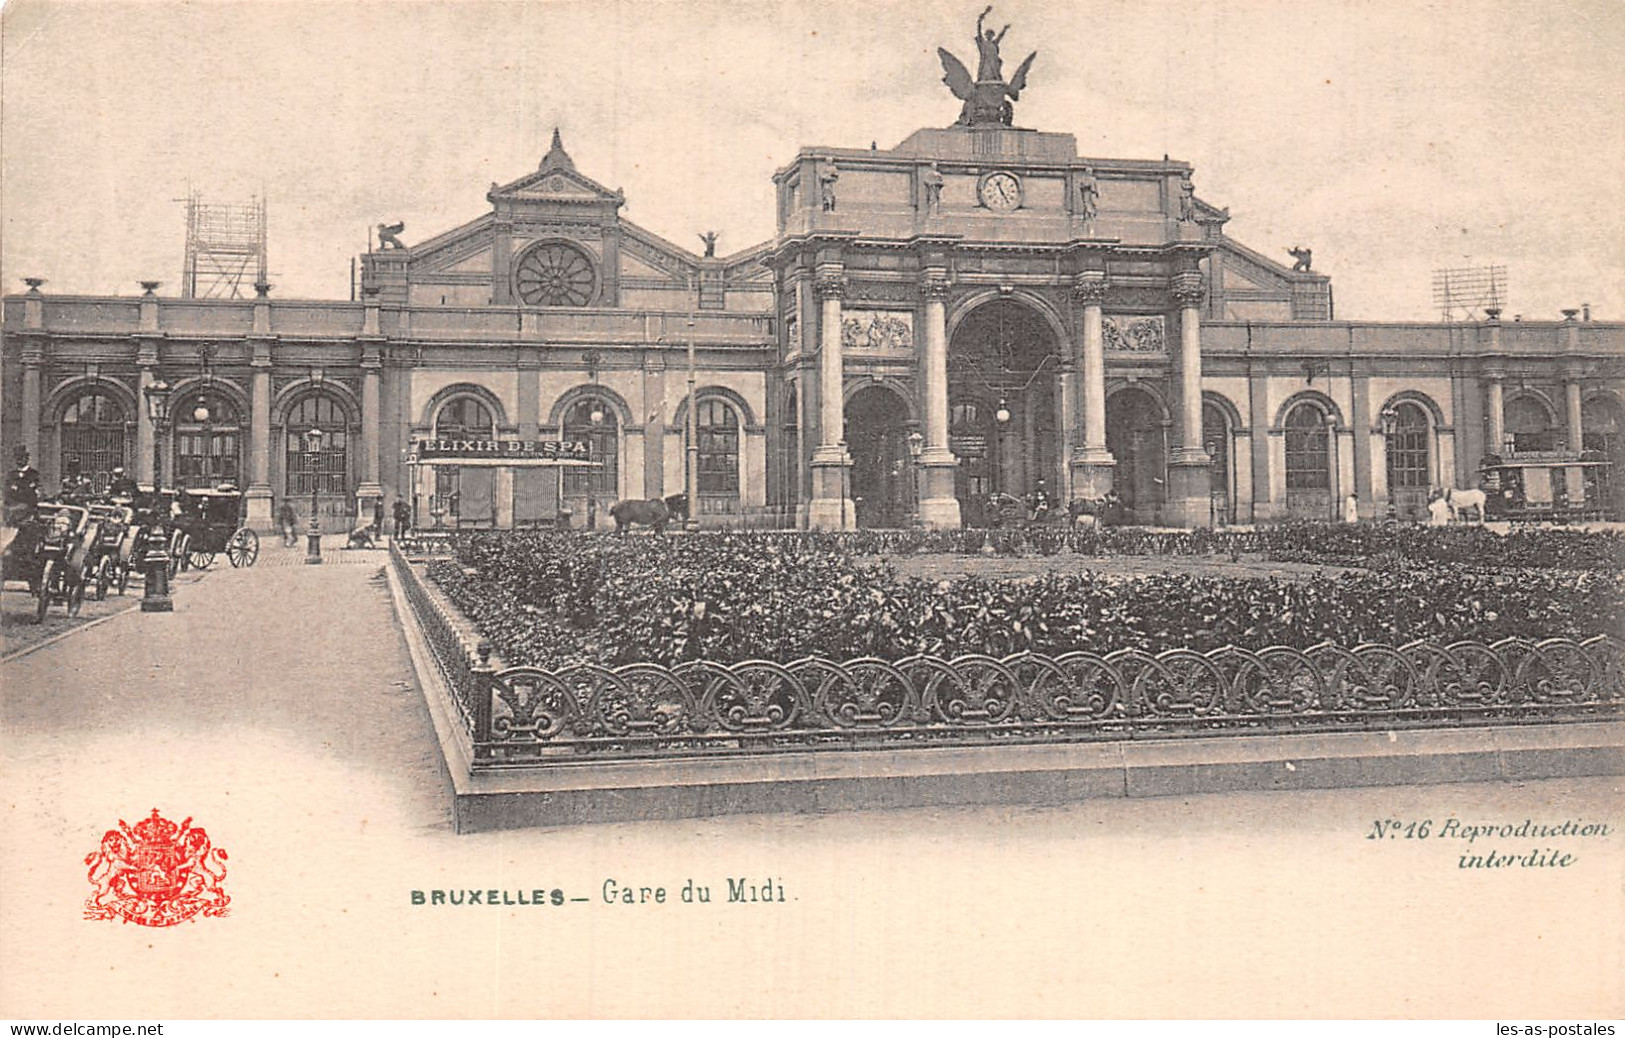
{"x": 225, "y": 248}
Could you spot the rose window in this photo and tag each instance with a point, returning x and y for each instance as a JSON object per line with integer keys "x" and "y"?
{"x": 555, "y": 274}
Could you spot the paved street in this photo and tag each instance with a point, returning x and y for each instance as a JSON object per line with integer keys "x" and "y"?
{"x": 277, "y": 708}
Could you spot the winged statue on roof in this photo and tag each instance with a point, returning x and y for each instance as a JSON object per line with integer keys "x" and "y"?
{"x": 987, "y": 97}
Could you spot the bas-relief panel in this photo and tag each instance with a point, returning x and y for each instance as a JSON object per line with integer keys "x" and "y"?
{"x": 877, "y": 329}
{"x": 1134, "y": 334}
{"x": 1131, "y": 195}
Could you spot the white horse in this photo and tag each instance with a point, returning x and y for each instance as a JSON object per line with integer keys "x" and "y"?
{"x": 1459, "y": 502}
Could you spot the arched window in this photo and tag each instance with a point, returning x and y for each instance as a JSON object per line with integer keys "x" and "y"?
{"x": 718, "y": 428}
{"x": 1308, "y": 461}
{"x": 591, "y": 420}
{"x": 464, "y": 417}
{"x": 1529, "y": 425}
{"x": 93, "y": 436}
{"x": 326, "y": 472}
{"x": 208, "y": 440}
{"x": 460, "y": 418}
{"x": 1602, "y": 427}
{"x": 1410, "y": 459}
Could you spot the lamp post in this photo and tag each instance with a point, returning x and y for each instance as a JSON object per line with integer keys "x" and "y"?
{"x": 1212, "y": 449}
{"x": 1390, "y": 423}
{"x": 596, "y": 417}
{"x": 155, "y": 596}
{"x": 313, "y": 535}
{"x": 916, "y": 445}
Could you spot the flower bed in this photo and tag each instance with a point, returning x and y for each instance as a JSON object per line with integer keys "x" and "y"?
{"x": 1361, "y": 544}
{"x": 555, "y": 600}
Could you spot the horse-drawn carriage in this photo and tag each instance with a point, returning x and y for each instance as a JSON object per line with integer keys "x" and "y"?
{"x": 1548, "y": 486}
{"x": 47, "y": 551}
{"x": 113, "y": 546}
{"x": 210, "y": 523}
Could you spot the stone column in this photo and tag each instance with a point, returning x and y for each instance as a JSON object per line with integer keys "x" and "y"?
{"x": 1190, "y": 476}
{"x": 831, "y": 504}
{"x": 1574, "y": 413}
{"x": 1370, "y": 486}
{"x": 33, "y": 368}
{"x": 145, "y": 435}
{"x": 939, "y": 508}
{"x": 1091, "y": 463}
{"x": 1258, "y": 417}
{"x": 259, "y": 435}
{"x": 372, "y": 371}
{"x": 1494, "y": 414}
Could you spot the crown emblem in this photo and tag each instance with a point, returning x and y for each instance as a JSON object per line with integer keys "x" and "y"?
{"x": 156, "y": 873}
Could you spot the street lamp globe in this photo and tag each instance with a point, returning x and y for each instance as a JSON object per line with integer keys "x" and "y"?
{"x": 1002, "y": 415}
{"x": 157, "y": 395}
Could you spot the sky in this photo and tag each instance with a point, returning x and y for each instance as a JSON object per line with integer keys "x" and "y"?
{"x": 1393, "y": 138}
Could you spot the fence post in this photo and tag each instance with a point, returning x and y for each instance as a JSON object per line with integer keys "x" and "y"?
{"x": 484, "y": 687}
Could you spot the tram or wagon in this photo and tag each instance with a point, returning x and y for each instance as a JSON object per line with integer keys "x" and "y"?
{"x": 211, "y": 523}
{"x": 1550, "y": 486}
{"x": 112, "y": 551}
{"x": 48, "y": 552}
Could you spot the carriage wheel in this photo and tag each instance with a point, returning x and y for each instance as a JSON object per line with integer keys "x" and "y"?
{"x": 47, "y": 577}
{"x": 104, "y": 577}
{"x": 178, "y": 551}
{"x": 243, "y": 548}
{"x": 200, "y": 559}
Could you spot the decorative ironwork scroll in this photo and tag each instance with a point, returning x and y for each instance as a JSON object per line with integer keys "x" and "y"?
{"x": 525, "y": 715}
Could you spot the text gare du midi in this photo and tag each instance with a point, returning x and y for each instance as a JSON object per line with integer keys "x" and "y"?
{"x": 739, "y": 891}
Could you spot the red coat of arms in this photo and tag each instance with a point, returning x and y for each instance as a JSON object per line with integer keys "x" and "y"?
{"x": 156, "y": 873}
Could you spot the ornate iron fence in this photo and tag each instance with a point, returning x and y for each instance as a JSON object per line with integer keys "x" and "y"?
{"x": 525, "y": 715}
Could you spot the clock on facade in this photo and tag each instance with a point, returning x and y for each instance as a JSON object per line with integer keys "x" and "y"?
{"x": 1001, "y": 192}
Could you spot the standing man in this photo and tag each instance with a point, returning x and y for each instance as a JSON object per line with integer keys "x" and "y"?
{"x": 403, "y": 517}
{"x": 22, "y": 488}
{"x": 287, "y": 520}
{"x": 121, "y": 487}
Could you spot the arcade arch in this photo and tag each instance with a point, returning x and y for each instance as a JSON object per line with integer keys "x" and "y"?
{"x": 1003, "y": 387}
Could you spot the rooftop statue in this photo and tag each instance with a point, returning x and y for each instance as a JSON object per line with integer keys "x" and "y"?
{"x": 987, "y": 98}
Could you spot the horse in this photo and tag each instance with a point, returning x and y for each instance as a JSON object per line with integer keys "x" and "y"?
{"x": 1460, "y": 501}
{"x": 654, "y": 513}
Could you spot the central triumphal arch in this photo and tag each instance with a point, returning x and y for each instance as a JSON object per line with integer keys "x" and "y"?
{"x": 979, "y": 309}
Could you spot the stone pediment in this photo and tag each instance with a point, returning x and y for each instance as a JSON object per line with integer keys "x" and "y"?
{"x": 556, "y": 180}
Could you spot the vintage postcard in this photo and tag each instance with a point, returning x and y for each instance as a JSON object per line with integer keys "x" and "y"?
{"x": 746, "y": 509}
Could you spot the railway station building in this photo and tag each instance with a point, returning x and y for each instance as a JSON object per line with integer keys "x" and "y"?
{"x": 974, "y": 312}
